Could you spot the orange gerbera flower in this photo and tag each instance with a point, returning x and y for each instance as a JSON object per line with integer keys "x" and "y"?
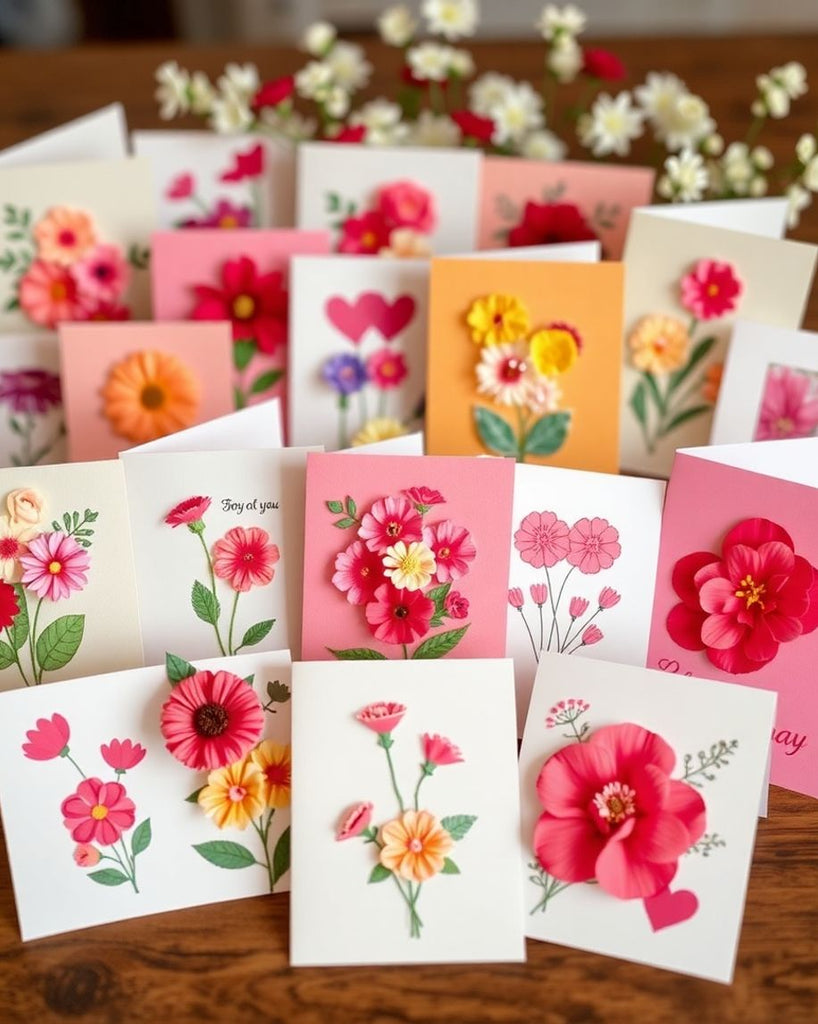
{"x": 234, "y": 795}
{"x": 415, "y": 846}
{"x": 150, "y": 394}
{"x": 64, "y": 235}
{"x": 274, "y": 761}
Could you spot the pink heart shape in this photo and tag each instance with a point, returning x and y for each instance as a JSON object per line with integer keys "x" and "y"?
{"x": 369, "y": 309}
{"x": 395, "y": 316}
{"x": 181, "y": 187}
{"x": 667, "y": 908}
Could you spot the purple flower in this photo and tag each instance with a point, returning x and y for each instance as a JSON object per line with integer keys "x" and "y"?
{"x": 345, "y": 373}
{"x": 30, "y": 391}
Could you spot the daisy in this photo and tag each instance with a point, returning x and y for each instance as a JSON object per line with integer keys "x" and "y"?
{"x": 504, "y": 373}
{"x": 429, "y": 62}
{"x": 172, "y": 90}
{"x": 397, "y": 26}
{"x": 348, "y": 67}
{"x": 518, "y": 113}
{"x": 409, "y": 566}
{"x": 451, "y": 19}
{"x": 685, "y": 179}
{"x": 54, "y": 566}
{"x": 611, "y": 125}
{"x": 150, "y": 394}
{"x": 488, "y": 91}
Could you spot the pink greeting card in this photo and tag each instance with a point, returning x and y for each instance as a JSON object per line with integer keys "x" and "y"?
{"x": 240, "y": 276}
{"x": 406, "y": 557}
{"x": 737, "y": 586}
{"x": 532, "y": 202}
{"x": 127, "y": 383}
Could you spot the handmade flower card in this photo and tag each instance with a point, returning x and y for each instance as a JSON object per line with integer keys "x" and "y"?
{"x": 737, "y": 584}
{"x": 389, "y": 201}
{"x": 765, "y": 216}
{"x": 685, "y": 285}
{"x": 769, "y": 389}
{"x": 406, "y": 557}
{"x": 72, "y": 249}
{"x": 257, "y": 426}
{"x": 407, "y": 850}
{"x": 67, "y": 590}
{"x": 125, "y": 384}
{"x": 522, "y": 364}
{"x": 32, "y": 421}
{"x": 554, "y": 252}
{"x": 101, "y": 135}
{"x": 139, "y": 792}
{"x": 242, "y": 277}
{"x": 205, "y": 180}
{"x": 639, "y": 802}
{"x": 358, "y": 365}
{"x": 583, "y": 562}
{"x": 218, "y": 538}
{"x": 531, "y": 202}
{"x": 401, "y": 444}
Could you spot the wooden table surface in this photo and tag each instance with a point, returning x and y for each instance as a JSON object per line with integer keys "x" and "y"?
{"x": 229, "y": 962}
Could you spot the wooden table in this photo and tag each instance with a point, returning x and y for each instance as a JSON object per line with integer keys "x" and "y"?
{"x": 229, "y": 962}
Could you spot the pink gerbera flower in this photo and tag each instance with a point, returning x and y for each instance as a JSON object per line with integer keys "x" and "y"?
{"x": 542, "y": 539}
{"x": 98, "y": 812}
{"x": 387, "y": 369}
{"x": 452, "y": 547}
{"x": 64, "y": 235}
{"x": 789, "y": 406}
{"x": 389, "y": 520}
{"x": 593, "y": 545}
{"x": 189, "y": 512}
{"x": 48, "y": 293}
{"x": 245, "y": 558}
{"x": 399, "y": 616}
{"x": 54, "y": 566}
{"x": 358, "y": 573}
{"x": 710, "y": 290}
{"x": 103, "y": 273}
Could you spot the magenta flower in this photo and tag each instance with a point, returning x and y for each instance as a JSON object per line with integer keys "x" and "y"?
{"x": 98, "y": 812}
{"x": 389, "y": 520}
{"x": 403, "y": 204}
{"x": 122, "y": 754}
{"x": 593, "y": 545}
{"x": 54, "y": 566}
{"x": 355, "y": 820}
{"x": 189, "y": 513}
{"x": 48, "y": 739}
{"x": 358, "y": 573}
{"x": 437, "y": 750}
{"x": 789, "y": 406}
{"x": 382, "y": 716}
{"x": 608, "y": 597}
{"x": 223, "y": 215}
{"x": 542, "y": 539}
{"x": 515, "y": 598}
{"x": 103, "y": 273}
{"x": 539, "y": 593}
{"x": 577, "y": 607}
{"x": 456, "y": 605}
{"x": 710, "y": 290}
{"x": 399, "y": 616}
{"x": 387, "y": 369}
{"x": 30, "y": 391}
{"x": 591, "y": 635}
{"x": 452, "y": 547}
{"x": 424, "y": 497}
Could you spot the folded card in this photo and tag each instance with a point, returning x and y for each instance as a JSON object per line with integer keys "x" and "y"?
{"x": 522, "y": 364}
{"x": 406, "y": 557}
{"x": 422, "y": 801}
{"x": 258, "y": 426}
{"x": 32, "y": 421}
{"x": 639, "y": 802}
{"x": 101, "y": 135}
{"x": 765, "y": 216}
{"x": 67, "y": 593}
{"x": 402, "y": 444}
{"x": 139, "y": 792}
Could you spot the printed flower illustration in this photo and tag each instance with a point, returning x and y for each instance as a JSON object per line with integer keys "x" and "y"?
{"x": 789, "y": 405}
{"x": 122, "y": 755}
{"x": 48, "y": 739}
{"x": 33, "y": 396}
{"x": 245, "y": 171}
{"x": 400, "y": 221}
{"x": 548, "y": 223}
{"x": 150, "y": 394}
{"x": 542, "y": 539}
{"x": 98, "y": 812}
{"x": 740, "y": 605}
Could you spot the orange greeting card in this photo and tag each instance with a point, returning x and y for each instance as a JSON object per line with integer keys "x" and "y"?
{"x": 524, "y": 361}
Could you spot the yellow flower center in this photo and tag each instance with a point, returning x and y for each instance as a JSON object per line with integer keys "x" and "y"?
{"x": 751, "y": 592}
{"x": 99, "y": 812}
{"x": 615, "y": 802}
{"x": 712, "y": 290}
{"x": 409, "y": 563}
{"x": 368, "y": 239}
{"x": 243, "y": 307}
{"x": 784, "y": 425}
{"x": 152, "y": 397}
{"x": 444, "y": 552}
{"x": 55, "y": 568}
{"x": 236, "y": 794}
{"x": 58, "y": 291}
{"x": 228, "y": 221}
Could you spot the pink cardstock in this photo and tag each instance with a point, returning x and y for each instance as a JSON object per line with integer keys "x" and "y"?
{"x": 741, "y": 544}
{"x": 406, "y": 557}
{"x": 603, "y": 194}
{"x": 105, "y": 378}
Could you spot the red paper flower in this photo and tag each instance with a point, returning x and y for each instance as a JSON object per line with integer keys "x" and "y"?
{"x": 245, "y": 558}
{"x": 545, "y": 223}
{"x": 406, "y": 205}
{"x": 473, "y": 126}
{"x": 604, "y": 65}
{"x": 98, "y": 812}
{"x": 48, "y": 739}
{"x": 122, "y": 754}
{"x": 710, "y": 290}
{"x": 387, "y": 369}
{"x": 542, "y": 539}
{"x": 188, "y": 512}
{"x": 364, "y": 235}
{"x": 399, "y": 616}
{"x": 48, "y": 293}
{"x": 452, "y": 547}
{"x": 349, "y": 133}
{"x": 389, "y": 520}
{"x": 355, "y": 820}
{"x": 358, "y": 573}
{"x": 273, "y": 92}
{"x": 424, "y": 497}
{"x": 593, "y": 544}
{"x": 9, "y": 606}
{"x": 381, "y": 716}
{"x": 437, "y": 750}
{"x": 456, "y": 605}
{"x": 246, "y": 165}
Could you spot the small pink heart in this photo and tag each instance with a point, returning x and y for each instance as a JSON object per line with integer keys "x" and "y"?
{"x": 395, "y": 316}
{"x": 667, "y": 908}
{"x": 370, "y": 309}
{"x": 181, "y": 187}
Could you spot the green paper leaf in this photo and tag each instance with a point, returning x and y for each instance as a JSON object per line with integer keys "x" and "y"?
{"x": 12, "y": 304}
{"x": 281, "y": 855}
{"x": 109, "y": 876}
{"x": 548, "y": 434}
{"x": 177, "y": 668}
{"x": 141, "y": 839}
{"x": 59, "y": 642}
{"x": 345, "y": 523}
{"x": 700, "y": 350}
{"x": 683, "y": 417}
{"x": 255, "y": 634}
{"x": 457, "y": 825}
{"x": 6, "y": 655}
{"x": 265, "y": 381}
{"x": 243, "y": 351}
{"x": 18, "y": 630}
{"x": 441, "y": 643}
{"x": 205, "y": 605}
{"x": 449, "y": 867}
{"x": 352, "y": 508}
{"x": 277, "y": 692}
{"x": 638, "y": 404}
{"x": 494, "y": 432}
{"x": 194, "y": 796}
{"x": 379, "y": 874}
{"x": 225, "y": 854}
{"x": 357, "y": 654}
{"x": 652, "y": 389}
{"x": 335, "y": 506}
{"x": 439, "y": 595}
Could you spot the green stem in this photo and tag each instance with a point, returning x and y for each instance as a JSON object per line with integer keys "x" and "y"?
{"x": 68, "y": 757}
{"x": 405, "y": 651}
{"x": 17, "y": 657}
{"x": 569, "y": 639}
{"x": 263, "y": 831}
{"x": 232, "y": 621}
{"x": 385, "y": 741}
{"x": 410, "y": 903}
{"x": 126, "y": 870}
{"x": 424, "y": 773}
{"x": 36, "y": 671}
{"x": 200, "y": 535}
{"x": 754, "y": 130}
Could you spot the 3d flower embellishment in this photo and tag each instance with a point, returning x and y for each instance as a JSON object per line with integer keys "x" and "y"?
{"x": 659, "y": 344}
{"x": 398, "y": 223}
{"x": 150, "y": 394}
{"x": 711, "y": 289}
{"x": 789, "y": 405}
{"x": 498, "y": 318}
{"x": 549, "y": 223}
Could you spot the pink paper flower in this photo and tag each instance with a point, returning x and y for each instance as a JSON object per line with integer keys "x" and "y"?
{"x": 608, "y": 597}
{"x": 611, "y": 813}
{"x": 456, "y": 605}
{"x": 358, "y": 573}
{"x": 789, "y": 406}
{"x": 181, "y": 187}
{"x": 577, "y": 607}
{"x": 542, "y": 539}
{"x": 389, "y": 520}
{"x": 48, "y": 739}
{"x": 30, "y": 390}
{"x": 54, "y": 566}
{"x": 86, "y": 856}
{"x": 539, "y": 593}
{"x": 591, "y": 635}
{"x": 189, "y": 513}
{"x": 355, "y": 820}
{"x": 423, "y": 498}
{"x": 103, "y": 273}
{"x": 382, "y": 716}
{"x": 48, "y": 294}
{"x": 399, "y": 616}
{"x": 364, "y": 235}
{"x": 452, "y": 547}
{"x": 593, "y": 545}
{"x": 122, "y": 754}
{"x": 515, "y": 598}
{"x": 246, "y": 165}
{"x": 437, "y": 750}
{"x": 710, "y": 290}
{"x": 98, "y": 812}
{"x": 245, "y": 558}
{"x": 387, "y": 369}
{"x": 64, "y": 235}
{"x": 406, "y": 205}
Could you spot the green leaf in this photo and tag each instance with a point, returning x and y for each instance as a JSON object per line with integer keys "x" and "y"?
{"x": 277, "y": 692}
{"x": 654, "y": 392}
{"x": 59, "y": 642}
{"x": 281, "y": 855}
{"x": 335, "y": 506}
{"x": 225, "y": 854}
{"x": 265, "y": 381}
{"x": 683, "y": 417}
{"x": 243, "y": 351}
{"x": 205, "y": 605}
{"x": 494, "y": 432}
{"x": 548, "y": 434}
{"x": 249, "y": 679}
{"x": 457, "y": 825}
{"x": 699, "y": 352}
{"x": 255, "y": 634}
{"x": 239, "y": 401}
{"x": 449, "y": 867}
{"x": 344, "y": 524}
{"x": 357, "y": 654}
{"x": 194, "y": 796}
{"x": 638, "y": 404}
{"x": 379, "y": 873}
{"x": 18, "y": 630}
{"x": 66, "y": 518}
{"x": 12, "y": 304}
{"x": 177, "y": 668}
{"x": 6, "y": 655}
{"x": 441, "y": 643}
{"x": 352, "y": 508}
{"x": 109, "y": 876}
{"x": 439, "y": 594}
{"x": 141, "y": 839}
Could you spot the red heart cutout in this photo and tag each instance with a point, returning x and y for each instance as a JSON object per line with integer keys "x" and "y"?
{"x": 396, "y": 316}
{"x": 370, "y": 309}
{"x": 181, "y": 187}
{"x": 667, "y": 908}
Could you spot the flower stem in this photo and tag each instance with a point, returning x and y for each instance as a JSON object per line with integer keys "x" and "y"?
{"x": 553, "y": 613}
{"x": 343, "y": 434}
{"x": 68, "y": 757}
{"x": 200, "y": 535}
{"x": 530, "y": 636}
{"x": 17, "y": 658}
{"x": 263, "y": 829}
{"x": 541, "y": 627}
{"x": 416, "y": 923}
{"x": 405, "y": 650}
{"x": 232, "y": 621}
{"x": 521, "y": 436}
{"x": 385, "y": 741}
{"x": 569, "y": 639}
{"x": 424, "y": 773}
{"x": 36, "y": 670}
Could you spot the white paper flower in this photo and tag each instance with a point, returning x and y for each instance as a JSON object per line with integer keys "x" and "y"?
{"x": 202, "y": 93}
{"x": 240, "y": 80}
{"x": 798, "y": 199}
{"x": 172, "y": 90}
{"x": 434, "y": 130}
{"x": 318, "y": 38}
{"x": 382, "y": 120}
{"x": 565, "y": 58}
{"x": 337, "y": 102}
{"x": 543, "y": 145}
{"x": 397, "y": 26}
{"x": 430, "y": 61}
{"x": 519, "y": 113}
{"x": 685, "y": 178}
{"x": 506, "y": 374}
{"x": 658, "y": 97}
{"x": 555, "y": 21}
{"x": 349, "y": 68}
{"x": 611, "y": 125}
{"x": 488, "y": 91}
{"x": 737, "y": 168}
{"x": 452, "y": 19}
{"x": 314, "y": 81}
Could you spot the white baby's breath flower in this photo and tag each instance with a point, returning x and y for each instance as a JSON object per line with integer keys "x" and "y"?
{"x": 382, "y": 120}
{"x": 349, "y": 68}
{"x": 556, "y": 21}
{"x": 241, "y": 80}
{"x": 489, "y": 90}
{"x": 314, "y": 81}
{"x": 318, "y": 38}
{"x": 202, "y": 93}
{"x": 452, "y": 19}
{"x": 737, "y": 168}
{"x": 611, "y": 125}
{"x": 461, "y": 63}
{"x": 798, "y": 199}
{"x": 337, "y": 102}
{"x": 758, "y": 186}
{"x": 172, "y": 90}
{"x": 434, "y": 130}
{"x": 430, "y": 61}
{"x": 806, "y": 148}
{"x": 397, "y": 26}
{"x": 565, "y": 58}
{"x": 291, "y": 125}
{"x": 229, "y": 114}
{"x": 762, "y": 158}
{"x": 792, "y": 77}
{"x": 774, "y": 98}
{"x": 810, "y": 175}
{"x": 688, "y": 123}
{"x": 685, "y": 178}
{"x": 658, "y": 97}
{"x": 543, "y": 145}
{"x": 713, "y": 145}
{"x": 517, "y": 114}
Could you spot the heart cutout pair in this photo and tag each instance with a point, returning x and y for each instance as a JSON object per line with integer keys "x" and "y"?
{"x": 668, "y": 908}
{"x": 370, "y": 309}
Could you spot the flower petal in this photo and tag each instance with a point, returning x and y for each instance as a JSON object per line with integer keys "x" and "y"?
{"x": 684, "y": 572}
{"x": 632, "y": 745}
{"x": 659, "y": 838}
{"x": 722, "y": 632}
{"x": 568, "y": 780}
{"x": 568, "y": 848}
{"x": 684, "y": 626}
{"x": 754, "y": 532}
{"x": 688, "y": 805}
{"x": 626, "y": 877}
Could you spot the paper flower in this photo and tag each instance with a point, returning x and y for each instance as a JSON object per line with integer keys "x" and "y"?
{"x": 386, "y": 369}
{"x": 150, "y": 394}
{"x": 224, "y": 215}
{"x": 398, "y": 616}
{"x": 25, "y": 505}
{"x": 48, "y": 293}
{"x": 30, "y": 390}
{"x": 382, "y": 428}
{"x": 98, "y": 812}
{"x": 345, "y": 373}
{"x": 64, "y": 235}
{"x": 456, "y": 605}
{"x": 659, "y": 344}
{"x": 364, "y": 235}
{"x": 424, "y": 498}
{"x": 244, "y": 557}
{"x": 234, "y": 794}
{"x": 415, "y": 846}
{"x": 358, "y": 573}
{"x": 789, "y": 406}
{"x": 103, "y": 273}
{"x": 13, "y": 539}
{"x": 409, "y": 566}
{"x": 48, "y": 739}
{"x": 497, "y": 318}
{"x": 189, "y": 513}
{"x": 354, "y": 821}
{"x": 710, "y": 290}
{"x": 452, "y": 547}
{"x": 405, "y": 205}
{"x": 437, "y": 750}
{"x": 593, "y": 544}
{"x": 275, "y": 762}
{"x": 382, "y": 716}
{"x": 86, "y": 855}
{"x": 122, "y": 754}
{"x": 505, "y": 373}
{"x": 389, "y": 520}
{"x": 54, "y": 566}
{"x": 548, "y": 223}
{"x": 554, "y": 350}
{"x": 542, "y": 539}
{"x": 9, "y": 606}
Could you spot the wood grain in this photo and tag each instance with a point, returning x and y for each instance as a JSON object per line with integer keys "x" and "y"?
{"x": 229, "y": 962}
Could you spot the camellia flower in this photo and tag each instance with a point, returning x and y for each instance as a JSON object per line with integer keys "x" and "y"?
{"x": 659, "y": 344}
{"x": 48, "y": 294}
{"x": 103, "y": 273}
{"x": 54, "y": 566}
{"x": 354, "y": 821}
{"x": 547, "y": 223}
{"x": 9, "y": 606}
{"x": 539, "y": 593}
{"x": 234, "y": 794}
{"x": 389, "y": 520}
{"x": 612, "y": 814}
{"x": 710, "y": 290}
{"x": 382, "y": 428}
{"x": 48, "y": 739}
{"x": 515, "y": 598}
{"x": 452, "y": 547}
{"x": 608, "y": 597}
{"x": 13, "y": 539}
{"x": 405, "y": 205}
{"x": 415, "y": 846}
{"x": 86, "y": 855}
{"x": 244, "y": 557}
{"x": 366, "y": 234}
{"x": 542, "y": 539}
{"x": 789, "y": 406}
{"x": 30, "y": 391}
{"x": 358, "y": 573}
{"x": 497, "y": 318}
{"x": 275, "y": 762}
{"x": 25, "y": 505}
{"x": 189, "y": 513}
{"x": 591, "y": 635}
{"x": 456, "y": 605}
{"x": 578, "y": 606}
{"x": 399, "y": 616}
{"x": 211, "y": 720}
{"x": 64, "y": 235}
{"x": 424, "y": 498}
{"x": 382, "y": 716}
{"x": 409, "y": 567}
{"x": 150, "y": 394}
{"x": 256, "y": 304}
{"x": 437, "y": 750}
{"x": 122, "y": 754}
{"x": 593, "y": 544}
{"x": 98, "y": 812}
{"x": 386, "y": 369}
{"x": 553, "y": 350}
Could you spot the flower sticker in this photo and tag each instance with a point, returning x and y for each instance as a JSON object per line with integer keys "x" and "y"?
{"x": 789, "y": 405}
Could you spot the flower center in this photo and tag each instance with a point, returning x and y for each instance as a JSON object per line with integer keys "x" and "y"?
{"x": 102, "y": 272}
{"x": 55, "y": 568}
{"x": 278, "y": 774}
{"x": 615, "y": 803}
{"x": 444, "y": 552}
{"x": 712, "y": 290}
{"x": 99, "y": 812}
{"x": 211, "y": 720}
{"x": 401, "y": 611}
{"x": 497, "y": 319}
{"x": 243, "y": 307}
{"x": 236, "y": 794}
{"x": 392, "y": 529}
{"x": 414, "y": 845}
{"x": 364, "y": 571}
{"x": 228, "y": 221}
{"x": 368, "y": 239}
{"x": 67, "y": 237}
{"x": 58, "y": 292}
{"x": 9, "y": 546}
{"x": 152, "y": 397}
{"x": 409, "y": 564}
{"x": 248, "y": 556}
{"x": 512, "y": 370}
{"x": 784, "y": 425}
{"x": 751, "y": 592}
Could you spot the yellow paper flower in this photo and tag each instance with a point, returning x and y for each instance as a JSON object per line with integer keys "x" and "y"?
{"x": 273, "y": 759}
{"x": 64, "y": 235}
{"x": 553, "y": 351}
{"x": 497, "y": 318}
{"x": 415, "y": 846}
{"x": 380, "y": 429}
{"x": 150, "y": 394}
{"x": 409, "y": 567}
{"x": 659, "y": 344}
{"x": 234, "y": 795}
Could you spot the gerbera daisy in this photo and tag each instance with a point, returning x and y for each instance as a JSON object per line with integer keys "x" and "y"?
{"x": 389, "y": 520}
{"x": 382, "y": 428}
{"x": 150, "y": 394}
{"x": 48, "y": 294}
{"x": 415, "y": 846}
{"x": 358, "y": 573}
{"x": 452, "y": 547}
{"x": 399, "y": 616}
{"x": 245, "y": 558}
{"x": 505, "y": 373}
{"x": 234, "y": 795}
{"x": 103, "y": 273}
{"x": 497, "y": 318}
{"x": 275, "y": 763}
{"x": 54, "y": 566}
{"x": 64, "y": 235}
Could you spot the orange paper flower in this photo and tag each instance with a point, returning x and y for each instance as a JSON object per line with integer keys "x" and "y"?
{"x": 659, "y": 344}
{"x": 415, "y": 846}
{"x": 150, "y": 394}
{"x": 274, "y": 761}
{"x": 234, "y": 795}
{"x": 64, "y": 235}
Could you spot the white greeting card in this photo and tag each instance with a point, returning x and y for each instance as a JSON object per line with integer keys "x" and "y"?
{"x": 766, "y": 216}
{"x": 406, "y": 850}
{"x": 257, "y": 426}
{"x": 101, "y": 135}
{"x": 640, "y": 794}
{"x": 104, "y": 822}
{"x": 556, "y": 252}
{"x": 32, "y": 420}
{"x": 405, "y": 444}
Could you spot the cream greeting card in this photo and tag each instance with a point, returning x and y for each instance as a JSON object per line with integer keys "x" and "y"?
{"x": 32, "y": 420}
{"x": 258, "y": 426}
{"x": 101, "y": 135}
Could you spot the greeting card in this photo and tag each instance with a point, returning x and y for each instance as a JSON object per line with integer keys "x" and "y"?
{"x": 583, "y": 563}
{"x": 101, "y": 135}
{"x": 138, "y": 792}
{"x": 554, "y": 252}
{"x": 358, "y": 362}
{"x": 240, "y": 276}
{"x": 639, "y": 802}
{"x": 32, "y": 421}
{"x": 405, "y": 557}
{"x": 206, "y": 180}
{"x": 769, "y": 390}
{"x": 258, "y": 426}
{"x": 218, "y": 538}
{"x": 737, "y": 584}
{"x": 67, "y": 593}
{"x": 531, "y": 202}
{"x": 685, "y": 285}
{"x": 125, "y": 384}
{"x": 382, "y": 201}
{"x": 522, "y": 364}
{"x": 402, "y": 444}
{"x": 407, "y": 850}
{"x": 766, "y": 216}
{"x": 72, "y": 249}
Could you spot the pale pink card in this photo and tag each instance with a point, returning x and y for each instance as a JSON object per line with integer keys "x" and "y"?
{"x": 406, "y": 557}
{"x": 128, "y": 383}
{"x": 736, "y": 594}
{"x": 533, "y": 202}
{"x": 240, "y": 275}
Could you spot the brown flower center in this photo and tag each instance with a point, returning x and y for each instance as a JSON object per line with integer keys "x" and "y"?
{"x": 751, "y": 592}
{"x": 152, "y": 397}
{"x": 211, "y": 720}
{"x": 401, "y": 611}
{"x": 393, "y": 529}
